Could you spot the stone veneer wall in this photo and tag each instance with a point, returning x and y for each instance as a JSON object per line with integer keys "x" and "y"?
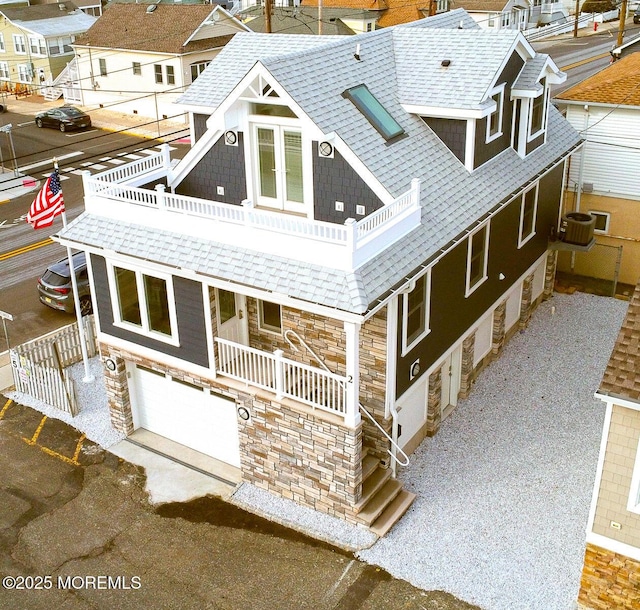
{"x": 292, "y": 452}
{"x": 610, "y": 581}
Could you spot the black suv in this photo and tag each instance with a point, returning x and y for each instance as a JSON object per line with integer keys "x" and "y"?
{"x": 55, "y": 285}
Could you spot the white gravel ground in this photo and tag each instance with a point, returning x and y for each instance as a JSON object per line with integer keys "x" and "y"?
{"x": 504, "y": 487}
{"x": 93, "y": 417}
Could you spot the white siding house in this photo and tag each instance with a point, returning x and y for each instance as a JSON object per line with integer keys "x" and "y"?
{"x": 129, "y": 71}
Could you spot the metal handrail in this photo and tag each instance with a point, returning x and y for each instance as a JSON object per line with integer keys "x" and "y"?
{"x": 371, "y": 418}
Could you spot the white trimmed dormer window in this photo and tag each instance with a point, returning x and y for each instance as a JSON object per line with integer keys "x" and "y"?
{"x": 494, "y": 120}
{"x": 415, "y": 313}
{"x": 538, "y": 112}
{"x": 528, "y": 215}
{"x": 477, "y": 258}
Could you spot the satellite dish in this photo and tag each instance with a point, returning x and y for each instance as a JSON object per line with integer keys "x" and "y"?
{"x": 151, "y": 8}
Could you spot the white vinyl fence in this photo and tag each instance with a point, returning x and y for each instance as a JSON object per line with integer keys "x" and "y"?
{"x": 38, "y": 366}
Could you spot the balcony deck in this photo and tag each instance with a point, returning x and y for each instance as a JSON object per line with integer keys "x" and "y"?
{"x": 117, "y": 193}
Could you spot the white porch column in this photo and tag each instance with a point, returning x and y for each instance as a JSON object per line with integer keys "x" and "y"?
{"x": 352, "y": 349}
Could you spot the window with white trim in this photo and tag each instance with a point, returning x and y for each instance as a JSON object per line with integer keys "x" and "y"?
{"x": 505, "y": 20}
{"x": 270, "y": 317}
{"x": 143, "y": 303}
{"x": 102, "y": 66}
{"x": 528, "y": 215}
{"x": 415, "y": 313}
{"x": 198, "y": 69}
{"x": 494, "y": 120}
{"x": 157, "y": 70}
{"x": 25, "y": 75}
{"x": 633, "y": 503}
{"x": 136, "y": 68}
{"x": 4, "y": 70}
{"x": 539, "y": 111}
{"x": 38, "y": 46}
{"x": 60, "y": 45}
{"x": 477, "y": 258}
{"x": 19, "y": 44}
{"x": 602, "y": 221}
{"x": 171, "y": 75}
{"x": 2, "y": 47}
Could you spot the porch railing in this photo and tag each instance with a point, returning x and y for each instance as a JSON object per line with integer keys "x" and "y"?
{"x": 286, "y": 378}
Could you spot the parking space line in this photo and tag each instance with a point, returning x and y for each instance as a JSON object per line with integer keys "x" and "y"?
{"x": 33, "y": 440}
{"x": 73, "y": 461}
{"x": 36, "y": 434}
{"x": 6, "y": 406}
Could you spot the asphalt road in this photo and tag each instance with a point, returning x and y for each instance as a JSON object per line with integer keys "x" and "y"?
{"x": 77, "y": 533}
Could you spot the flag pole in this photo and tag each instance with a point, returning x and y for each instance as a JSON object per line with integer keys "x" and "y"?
{"x": 88, "y": 377}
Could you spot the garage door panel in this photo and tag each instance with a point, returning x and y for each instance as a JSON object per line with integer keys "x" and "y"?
{"x": 185, "y": 414}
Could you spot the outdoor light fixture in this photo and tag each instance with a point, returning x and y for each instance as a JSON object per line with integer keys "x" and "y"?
{"x": 243, "y": 413}
{"x": 110, "y": 363}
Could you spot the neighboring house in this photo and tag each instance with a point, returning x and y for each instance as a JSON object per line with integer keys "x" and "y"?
{"x": 611, "y": 573}
{"x": 35, "y": 43}
{"x": 305, "y": 20}
{"x": 138, "y": 58}
{"x": 359, "y": 226}
{"x": 90, "y": 7}
{"x": 514, "y": 14}
{"x": 605, "y": 109}
{"x": 387, "y": 12}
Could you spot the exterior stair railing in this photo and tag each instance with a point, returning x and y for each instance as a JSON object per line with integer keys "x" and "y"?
{"x": 395, "y": 445}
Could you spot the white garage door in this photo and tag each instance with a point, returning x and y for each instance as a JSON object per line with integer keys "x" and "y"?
{"x": 185, "y": 414}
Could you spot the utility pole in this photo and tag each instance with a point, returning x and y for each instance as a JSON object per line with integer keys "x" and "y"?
{"x": 623, "y": 18}
{"x": 267, "y": 16}
{"x": 575, "y": 22}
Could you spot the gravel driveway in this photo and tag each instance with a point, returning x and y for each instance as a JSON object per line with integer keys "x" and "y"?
{"x": 504, "y": 488}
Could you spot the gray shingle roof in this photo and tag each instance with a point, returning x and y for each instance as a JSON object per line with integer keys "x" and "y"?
{"x": 315, "y": 71}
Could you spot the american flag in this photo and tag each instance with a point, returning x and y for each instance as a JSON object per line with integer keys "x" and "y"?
{"x": 47, "y": 204}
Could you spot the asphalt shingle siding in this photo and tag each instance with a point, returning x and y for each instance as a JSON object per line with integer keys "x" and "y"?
{"x": 223, "y": 166}
{"x": 335, "y": 180}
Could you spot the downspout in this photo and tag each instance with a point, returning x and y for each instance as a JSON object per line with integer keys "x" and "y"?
{"x": 390, "y": 375}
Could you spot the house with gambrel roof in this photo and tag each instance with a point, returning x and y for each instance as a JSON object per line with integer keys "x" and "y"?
{"x": 139, "y": 58}
{"x": 360, "y": 225}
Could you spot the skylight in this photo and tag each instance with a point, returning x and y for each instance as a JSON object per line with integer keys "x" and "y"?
{"x": 374, "y": 111}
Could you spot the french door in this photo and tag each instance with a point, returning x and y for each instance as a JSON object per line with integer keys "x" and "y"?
{"x": 279, "y": 172}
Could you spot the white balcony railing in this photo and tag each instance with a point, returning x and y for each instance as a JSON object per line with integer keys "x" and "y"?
{"x": 118, "y": 193}
{"x": 286, "y": 378}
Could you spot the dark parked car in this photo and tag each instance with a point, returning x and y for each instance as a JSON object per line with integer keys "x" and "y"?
{"x": 636, "y": 15}
{"x": 64, "y": 118}
{"x": 55, "y": 285}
